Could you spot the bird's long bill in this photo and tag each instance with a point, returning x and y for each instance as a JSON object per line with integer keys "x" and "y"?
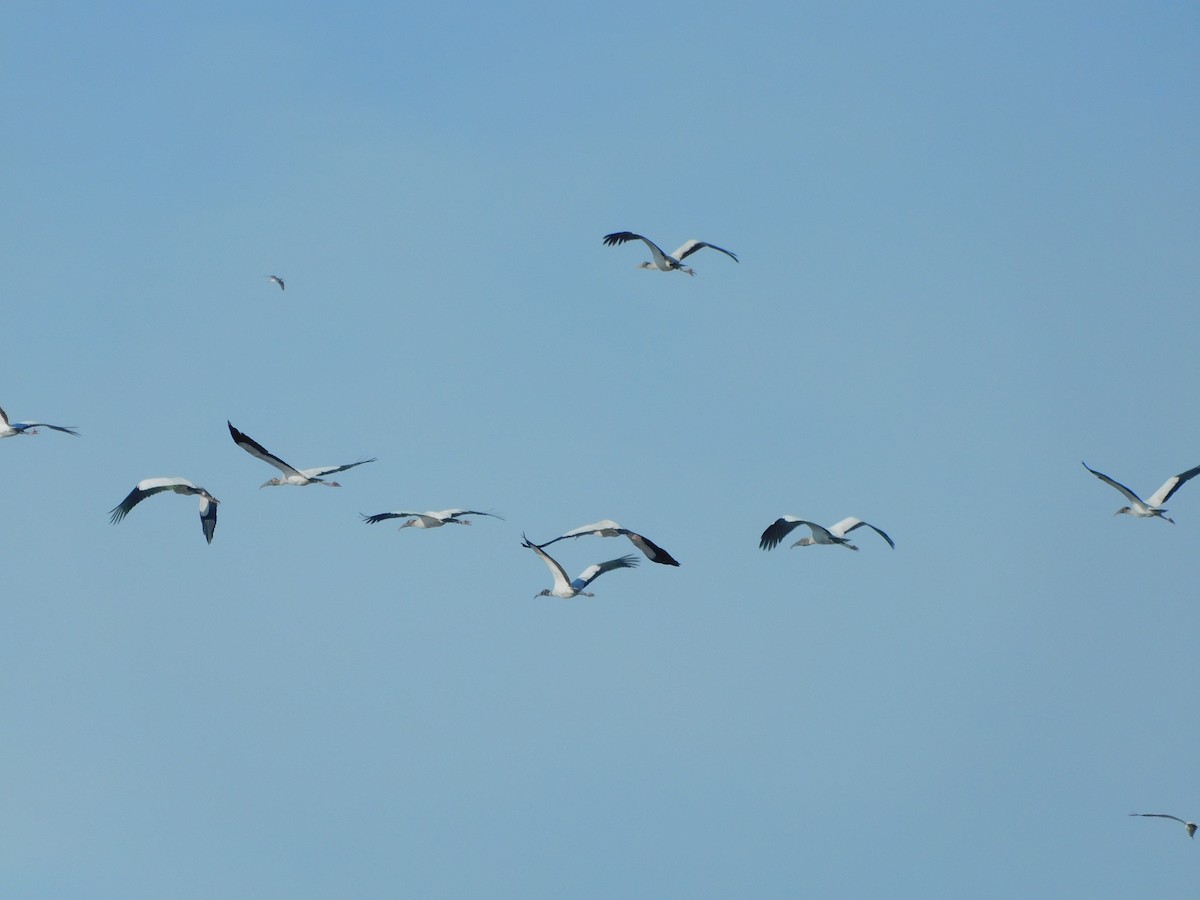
{"x": 267, "y": 484}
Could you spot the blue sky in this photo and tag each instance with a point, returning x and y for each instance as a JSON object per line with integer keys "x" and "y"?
{"x": 967, "y": 238}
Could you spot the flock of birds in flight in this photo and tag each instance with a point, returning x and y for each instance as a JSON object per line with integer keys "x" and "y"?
{"x": 565, "y": 587}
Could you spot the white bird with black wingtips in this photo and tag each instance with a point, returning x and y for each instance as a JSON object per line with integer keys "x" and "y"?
{"x": 12, "y": 429}
{"x": 567, "y": 588}
{"x": 148, "y": 487}
{"x": 428, "y": 519}
{"x": 609, "y": 528}
{"x": 291, "y": 475}
{"x": 661, "y": 261}
{"x": 834, "y": 534}
{"x": 1152, "y": 506}
{"x": 1190, "y": 826}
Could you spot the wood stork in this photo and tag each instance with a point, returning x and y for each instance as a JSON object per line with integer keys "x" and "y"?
{"x": 1153, "y": 505}
{"x": 148, "y": 487}
{"x": 1190, "y": 826}
{"x": 428, "y": 519}
{"x": 568, "y": 589}
{"x": 11, "y": 429}
{"x": 275, "y": 279}
{"x": 609, "y": 528}
{"x": 834, "y": 534}
{"x": 662, "y": 261}
{"x": 291, "y": 475}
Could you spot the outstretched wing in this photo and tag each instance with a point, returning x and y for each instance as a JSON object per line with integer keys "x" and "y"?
{"x": 591, "y": 573}
{"x": 147, "y": 487}
{"x": 1170, "y": 486}
{"x": 1160, "y": 816}
{"x": 778, "y": 530}
{"x": 254, "y": 448}
{"x": 651, "y": 550}
{"x": 603, "y": 528}
{"x": 561, "y": 583}
{"x": 620, "y": 237}
{"x": 1129, "y": 495}
{"x": 25, "y": 426}
{"x": 844, "y": 527}
{"x": 330, "y": 470}
{"x": 380, "y": 517}
{"x": 455, "y": 513}
{"x": 693, "y": 245}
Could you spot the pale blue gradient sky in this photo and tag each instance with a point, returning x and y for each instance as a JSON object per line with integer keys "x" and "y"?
{"x": 968, "y": 261}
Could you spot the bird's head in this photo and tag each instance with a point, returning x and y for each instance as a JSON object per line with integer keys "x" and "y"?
{"x": 804, "y": 542}
{"x": 408, "y": 524}
{"x": 331, "y": 483}
{"x": 646, "y": 265}
{"x": 272, "y": 483}
{"x": 1123, "y": 510}
{"x": 1191, "y": 829}
{"x": 546, "y": 593}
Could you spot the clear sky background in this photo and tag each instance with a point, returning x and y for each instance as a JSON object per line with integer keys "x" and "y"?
{"x": 968, "y": 242}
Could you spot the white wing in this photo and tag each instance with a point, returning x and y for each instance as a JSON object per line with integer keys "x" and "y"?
{"x": 620, "y": 237}
{"x": 693, "y": 245}
{"x": 844, "y": 527}
{"x": 254, "y": 448}
{"x": 455, "y": 513}
{"x": 329, "y": 470}
{"x": 591, "y": 573}
{"x": 148, "y": 487}
{"x": 1170, "y": 486}
{"x": 560, "y": 576}
{"x": 1129, "y": 495}
{"x": 603, "y": 528}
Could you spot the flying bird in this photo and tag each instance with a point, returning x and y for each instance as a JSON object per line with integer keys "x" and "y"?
{"x": 609, "y": 528}
{"x": 11, "y": 429}
{"x": 148, "y": 487}
{"x": 834, "y": 534}
{"x": 428, "y": 519}
{"x": 1190, "y": 826}
{"x": 275, "y": 279}
{"x": 1152, "y": 505}
{"x": 568, "y": 589}
{"x": 662, "y": 261}
{"x": 291, "y": 475}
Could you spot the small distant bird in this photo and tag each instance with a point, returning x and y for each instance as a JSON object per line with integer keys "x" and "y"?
{"x": 291, "y": 475}
{"x": 148, "y": 487}
{"x": 1190, "y": 826}
{"x": 11, "y": 429}
{"x": 1153, "y": 505}
{"x": 609, "y": 528}
{"x": 277, "y": 280}
{"x": 428, "y": 519}
{"x": 834, "y": 534}
{"x": 662, "y": 261}
{"x": 568, "y": 589}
